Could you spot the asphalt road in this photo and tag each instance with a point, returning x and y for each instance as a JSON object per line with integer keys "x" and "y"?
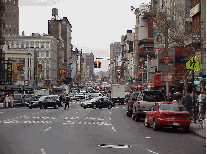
{"x": 78, "y": 130}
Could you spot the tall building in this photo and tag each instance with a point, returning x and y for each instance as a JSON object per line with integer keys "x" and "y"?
{"x": 115, "y": 57}
{"x": 89, "y": 64}
{"x": 61, "y": 29}
{"x": 11, "y": 17}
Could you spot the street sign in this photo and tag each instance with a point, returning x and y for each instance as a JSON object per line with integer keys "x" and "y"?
{"x": 167, "y": 59}
{"x": 193, "y": 64}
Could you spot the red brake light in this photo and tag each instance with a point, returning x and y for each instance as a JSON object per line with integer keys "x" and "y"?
{"x": 130, "y": 103}
{"x": 138, "y": 104}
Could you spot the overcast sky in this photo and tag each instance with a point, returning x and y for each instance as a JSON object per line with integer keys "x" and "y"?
{"x": 95, "y": 23}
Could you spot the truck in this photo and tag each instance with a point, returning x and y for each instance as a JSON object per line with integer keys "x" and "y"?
{"x": 141, "y": 103}
{"x": 42, "y": 92}
{"x": 118, "y": 93}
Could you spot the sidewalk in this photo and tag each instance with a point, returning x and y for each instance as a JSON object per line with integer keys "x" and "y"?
{"x": 197, "y": 129}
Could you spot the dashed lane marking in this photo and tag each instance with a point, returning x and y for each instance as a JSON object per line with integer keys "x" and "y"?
{"x": 47, "y": 129}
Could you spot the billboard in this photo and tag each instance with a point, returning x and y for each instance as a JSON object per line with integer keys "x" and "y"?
{"x": 159, "y": 34}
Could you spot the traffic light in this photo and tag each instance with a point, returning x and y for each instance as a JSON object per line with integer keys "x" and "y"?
{"x": 18, "y": 66}
{"x": 95, "y": 64}
{"x": 99, "y": 64}
{"x": 21, "y": 66}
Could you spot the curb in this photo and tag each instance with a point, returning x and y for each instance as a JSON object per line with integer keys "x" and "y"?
{"x": 204, "y": 137}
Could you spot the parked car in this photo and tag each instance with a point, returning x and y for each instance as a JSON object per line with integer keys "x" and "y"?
{"x": 46, "y": 101}
{"x": 143, "y": 104}
{"x": 130, "y": 99}
{"x": 98, "y": 102}
{"x": 168, "y": 114}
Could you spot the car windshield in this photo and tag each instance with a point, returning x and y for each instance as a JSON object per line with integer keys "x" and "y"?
{"x": 28, "y": 96}
{"x": 56, "y": 97}
{"x": 94, "y": 99}
{"x": 153, "y": 97}
{"x": 172, "y": 107}
{"x": 42, "y": 98}
{"x": 17, "y": 96}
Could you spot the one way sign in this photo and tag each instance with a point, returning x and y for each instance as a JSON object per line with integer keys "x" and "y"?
{"x": 192, "y": 64}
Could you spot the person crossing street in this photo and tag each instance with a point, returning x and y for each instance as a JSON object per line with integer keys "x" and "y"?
{"x": 67, "y": 100}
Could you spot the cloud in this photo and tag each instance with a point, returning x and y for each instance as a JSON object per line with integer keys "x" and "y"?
{"x": 38, "y": 2}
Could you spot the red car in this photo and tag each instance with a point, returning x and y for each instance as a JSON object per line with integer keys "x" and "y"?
{"x": 168, "y": 114}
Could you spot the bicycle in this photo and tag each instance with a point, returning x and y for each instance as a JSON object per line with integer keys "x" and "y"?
{"x": 200, "y": 116}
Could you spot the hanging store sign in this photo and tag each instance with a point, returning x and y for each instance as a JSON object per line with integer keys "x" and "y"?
{"x": 159, "y": 34}
{"x": 157, "y": 80}
{"x": 62, "y": 71}
{"x": 196, "y": 9}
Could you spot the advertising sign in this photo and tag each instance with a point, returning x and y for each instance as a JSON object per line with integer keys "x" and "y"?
{"x": 159, "y": 34}
{"x": 157, "y": 80}
{"x": 62, "y": 71}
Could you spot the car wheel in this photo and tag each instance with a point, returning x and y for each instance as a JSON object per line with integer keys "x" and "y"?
{"x": 146, "y": 124}
{"x": 84, "y": 107}
{"x": 56, "y": 106}
{"x": 186, "y": 129}
{"x": 155, "y": 126}
{"x": 94, "y": 106}
{"x": 137, "y": 118}
{"x": 41, "y": 106}
{"x": 45, "y": 107}
{"x": 109, "y": 107}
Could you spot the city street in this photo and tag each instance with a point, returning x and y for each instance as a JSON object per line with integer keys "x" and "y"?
{"x": 77, "y": 130}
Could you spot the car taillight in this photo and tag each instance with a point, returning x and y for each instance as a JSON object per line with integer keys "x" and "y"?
{"x": 138, "y": 104}
{"x": 130, "y": 103}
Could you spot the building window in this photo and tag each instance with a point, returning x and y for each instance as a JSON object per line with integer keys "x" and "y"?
{"x": 12, "y": 45}
{"x": 42, "y": 74}
{"x": 6, "y": 30}
{"x": 47, "y": 73}
{"x": 47, "y": 44}
{"x": 27, "y": 45}
{"x": 14, "y": 30}
{"x": 22, "y": 45}
{"x": 17, "y": 45}
{"x": 42, "y": 45}
{"x": 37, "y": 44}
{"x": 47, "y": 64}
{"x": 42, "y": 54}
{"x": 32, "y": 45}
{"x": 37, "y": 53}
{"x": 47, "y": 54}
{"x": 9, "y": 30}
{"x": 14, "y": 14}
{"x": 14, "y": 3}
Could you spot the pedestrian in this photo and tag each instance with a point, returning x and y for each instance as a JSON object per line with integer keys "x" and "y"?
{"x": 11, "y": 100}
{"x": 177, "y": 97}
{"x": 201, "y": 102}
{"x": 67, "y": 101}
{"x": 7, "y": 101}
{"x": 187, "y": 102}
{"x": 61, "y": 98}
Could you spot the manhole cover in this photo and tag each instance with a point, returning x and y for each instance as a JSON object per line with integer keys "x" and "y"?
{"x": 114, "y": 146}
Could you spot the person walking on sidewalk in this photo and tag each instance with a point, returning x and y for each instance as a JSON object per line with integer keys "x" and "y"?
{"x": 7, "y": 101}
{"x": 67, "y": 100}
{"x": 187, "y": 102}
{"x": 11, "y": 101}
